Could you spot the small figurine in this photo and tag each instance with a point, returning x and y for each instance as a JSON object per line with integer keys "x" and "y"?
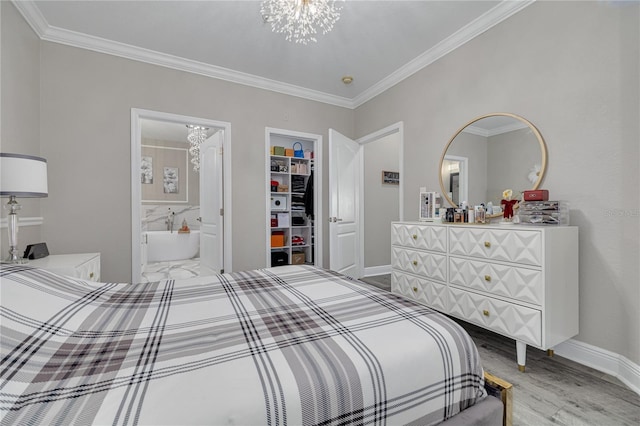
{"x": 185, "y": 228}
{"x": 508, "y": 204}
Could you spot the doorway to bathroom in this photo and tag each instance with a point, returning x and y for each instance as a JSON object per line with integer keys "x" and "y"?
{"x": 179, "y": 225}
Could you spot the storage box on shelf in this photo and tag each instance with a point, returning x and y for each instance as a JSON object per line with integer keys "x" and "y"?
{"x": 543, "y": 213}
{"x": 518, "y": 281}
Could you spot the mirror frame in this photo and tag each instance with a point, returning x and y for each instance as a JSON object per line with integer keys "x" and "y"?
{"x": 543, "y": 150}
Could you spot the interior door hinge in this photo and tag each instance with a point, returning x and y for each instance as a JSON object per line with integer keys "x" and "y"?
{"x": 221, "y": 150}
{"x": 221, "y": 212}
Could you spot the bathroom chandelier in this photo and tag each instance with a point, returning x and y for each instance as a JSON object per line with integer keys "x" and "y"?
{"x": 300, "y": 19}
{"x": 196, "y": 135}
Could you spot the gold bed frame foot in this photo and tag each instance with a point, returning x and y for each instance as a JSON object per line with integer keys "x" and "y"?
{"x": 521, "y": 368}
{"x": 550, "y": 352}
{"x": 506, "y": 395}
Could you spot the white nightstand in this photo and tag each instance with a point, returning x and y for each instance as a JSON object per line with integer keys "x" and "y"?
{"x": 85, "y": 266}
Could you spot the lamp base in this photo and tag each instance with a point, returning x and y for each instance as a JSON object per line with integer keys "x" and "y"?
{"x": 12, "y": 227}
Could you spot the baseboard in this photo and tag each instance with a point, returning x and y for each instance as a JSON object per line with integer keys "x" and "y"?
{"x": 377, "y": 270}
{"x": 603, "y": 360}
{"x": 597, "y": 358}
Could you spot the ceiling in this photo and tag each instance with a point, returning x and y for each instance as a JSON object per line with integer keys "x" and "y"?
{"x": 378, "y": 43}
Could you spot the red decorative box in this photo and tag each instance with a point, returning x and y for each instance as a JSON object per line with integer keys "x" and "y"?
{"x": 536, "y": 195}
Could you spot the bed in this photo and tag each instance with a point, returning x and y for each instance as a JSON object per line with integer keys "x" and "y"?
{"x": 287, "y": 345}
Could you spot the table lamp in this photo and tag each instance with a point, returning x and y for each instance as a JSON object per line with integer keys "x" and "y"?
{"x": 23, "y": 176}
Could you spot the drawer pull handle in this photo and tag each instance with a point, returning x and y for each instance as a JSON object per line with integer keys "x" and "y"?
{"x": 487, "y": 244}
{"x": 415, "y": 263}
{"x": 415, "y": 237}
{"x": 91, "y": 275}
{"x": 487, "y": 278}
{"x": 485, "y": 313}
{"x": 415, "y": 289}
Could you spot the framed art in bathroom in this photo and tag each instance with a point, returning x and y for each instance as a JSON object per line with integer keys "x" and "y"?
{"x": 146, "y": 170}
{"x": 167, "y": 181}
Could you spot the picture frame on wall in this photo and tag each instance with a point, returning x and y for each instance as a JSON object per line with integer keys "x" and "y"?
{"x": 390, "y": 178}
{"x": 146, "y": 170}
{"x": 171, "y": 180}
{"x": 170, "y": 165}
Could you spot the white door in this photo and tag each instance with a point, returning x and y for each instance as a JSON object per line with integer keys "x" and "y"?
{"x": 344, "y": 203}
{"x": 211, "y": 213}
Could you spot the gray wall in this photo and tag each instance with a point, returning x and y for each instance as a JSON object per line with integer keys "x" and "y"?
{"x": 571, "y": 68}
{"x": 86, "y": 101}
{"x": 20, "y": 109}
{"x": 510, "y": 158}
{"x": 380, "y": 200}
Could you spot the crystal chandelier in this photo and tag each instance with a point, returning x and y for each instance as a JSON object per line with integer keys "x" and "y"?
{"x": 196, "y": 135}
{"x": 300, "y": 19}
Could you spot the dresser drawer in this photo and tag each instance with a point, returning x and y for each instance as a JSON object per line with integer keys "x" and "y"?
{"x": 421, "y": 290}
{"x": 515, "y": 321}
{"x": 89, "y": 270}
{"x": 85, "y": 266}
{"x": 519, "y": 283}
{"x": 425, "y": 237}
{"x": 425, "y": 264}
{"x": 520, "y": 246}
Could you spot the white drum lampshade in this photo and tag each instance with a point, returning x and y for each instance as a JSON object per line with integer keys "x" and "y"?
{"x": 21, "y": 176}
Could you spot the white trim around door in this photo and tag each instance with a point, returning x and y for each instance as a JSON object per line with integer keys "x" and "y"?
{"x": 137, "y": 115}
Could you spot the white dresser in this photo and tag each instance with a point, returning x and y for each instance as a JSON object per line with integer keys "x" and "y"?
{"x": 518, "y": 281}
{"x": 85, "y": 266}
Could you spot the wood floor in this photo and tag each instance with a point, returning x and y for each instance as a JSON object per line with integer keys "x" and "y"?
{"x": 552, "y": 390}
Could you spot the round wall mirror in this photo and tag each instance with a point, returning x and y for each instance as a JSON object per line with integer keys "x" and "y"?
{"x": 489, "y": 154}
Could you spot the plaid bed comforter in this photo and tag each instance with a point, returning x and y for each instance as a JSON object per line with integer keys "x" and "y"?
{"x": 290, "y": 345}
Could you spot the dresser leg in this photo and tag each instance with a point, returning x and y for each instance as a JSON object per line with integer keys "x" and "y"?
{"x": 521, "y": 351}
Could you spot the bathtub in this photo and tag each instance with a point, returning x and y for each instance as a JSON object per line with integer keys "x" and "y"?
{"x": 163, "y": 246}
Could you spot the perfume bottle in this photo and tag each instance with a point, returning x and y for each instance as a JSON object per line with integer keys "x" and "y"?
{"x": 480, "y": 214}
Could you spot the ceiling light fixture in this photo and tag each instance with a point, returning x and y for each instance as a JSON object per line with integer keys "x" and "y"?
{"x": 300, "y": 19}
{"x": 196, "y": 136}
{"x": 347, "y": 79}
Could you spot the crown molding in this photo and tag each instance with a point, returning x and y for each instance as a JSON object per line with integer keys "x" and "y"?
{"x": 489, "y": 19}
{"x": 478, "y": 131}
{"x": 46, "y": 32}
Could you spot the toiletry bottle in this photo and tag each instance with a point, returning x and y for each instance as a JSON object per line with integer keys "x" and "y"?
{"x": 450, "y": 214}
{"x": 472, "y": 216}
{"x": 480, "y": 214}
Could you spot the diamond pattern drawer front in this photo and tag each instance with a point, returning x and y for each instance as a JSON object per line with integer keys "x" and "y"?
{"x": 520, "y": 246}
{"x": 430, "y": 293}
{"x": 419, "y": 237}
{"x": 90, "y": 270}
{"x": 517, "y": 283}
{"x": 428, "y": 265}
{"x": 518, "y": 322}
